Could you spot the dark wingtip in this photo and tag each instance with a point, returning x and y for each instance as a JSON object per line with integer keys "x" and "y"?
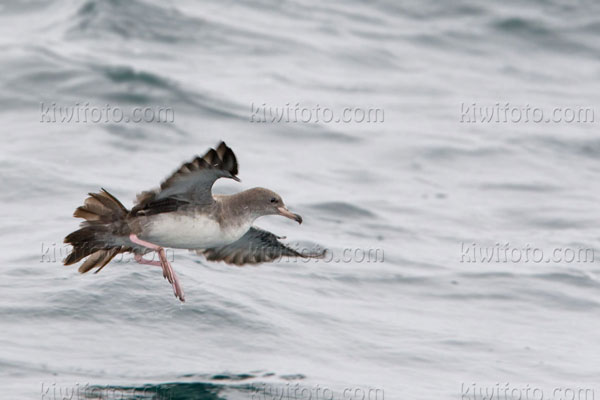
{"x": 228, "y": 158}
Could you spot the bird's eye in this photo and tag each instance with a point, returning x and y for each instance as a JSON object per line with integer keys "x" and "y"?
{"x": 273, "y": 200}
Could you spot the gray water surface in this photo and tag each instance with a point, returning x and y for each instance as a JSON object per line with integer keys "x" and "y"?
{"x": 417, "y": 186}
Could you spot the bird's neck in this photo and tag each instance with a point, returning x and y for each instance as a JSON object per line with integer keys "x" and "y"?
{"x": 236, "y": 210}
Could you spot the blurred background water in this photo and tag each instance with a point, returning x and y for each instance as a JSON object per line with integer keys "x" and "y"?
{"x": 420, "y": 325}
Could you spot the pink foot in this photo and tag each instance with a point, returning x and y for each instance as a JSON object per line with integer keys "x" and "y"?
{"x": 140, "y": 259}
{"x": 168, "y": 271}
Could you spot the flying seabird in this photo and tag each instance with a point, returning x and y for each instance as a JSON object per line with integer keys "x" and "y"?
{"x": 183, "y": 213}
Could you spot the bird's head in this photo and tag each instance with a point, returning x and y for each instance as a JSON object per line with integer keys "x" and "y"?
{"x": 266, "y": 202}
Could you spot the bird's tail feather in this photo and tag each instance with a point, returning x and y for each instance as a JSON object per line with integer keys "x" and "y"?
{"x": 104, "y": 217}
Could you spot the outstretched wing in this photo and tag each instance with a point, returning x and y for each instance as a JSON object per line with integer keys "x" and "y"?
{"x": 190, "y": 184}
{"x": 256, "y": 246}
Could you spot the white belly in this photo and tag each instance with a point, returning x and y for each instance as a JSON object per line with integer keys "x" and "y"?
{"x": 189, "y": 231}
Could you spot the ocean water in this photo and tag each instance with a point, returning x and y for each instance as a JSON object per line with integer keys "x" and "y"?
{"x": 423, "y": 187}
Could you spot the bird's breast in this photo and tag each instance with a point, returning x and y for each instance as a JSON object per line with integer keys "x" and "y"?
{"x": 189, "y": 231}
